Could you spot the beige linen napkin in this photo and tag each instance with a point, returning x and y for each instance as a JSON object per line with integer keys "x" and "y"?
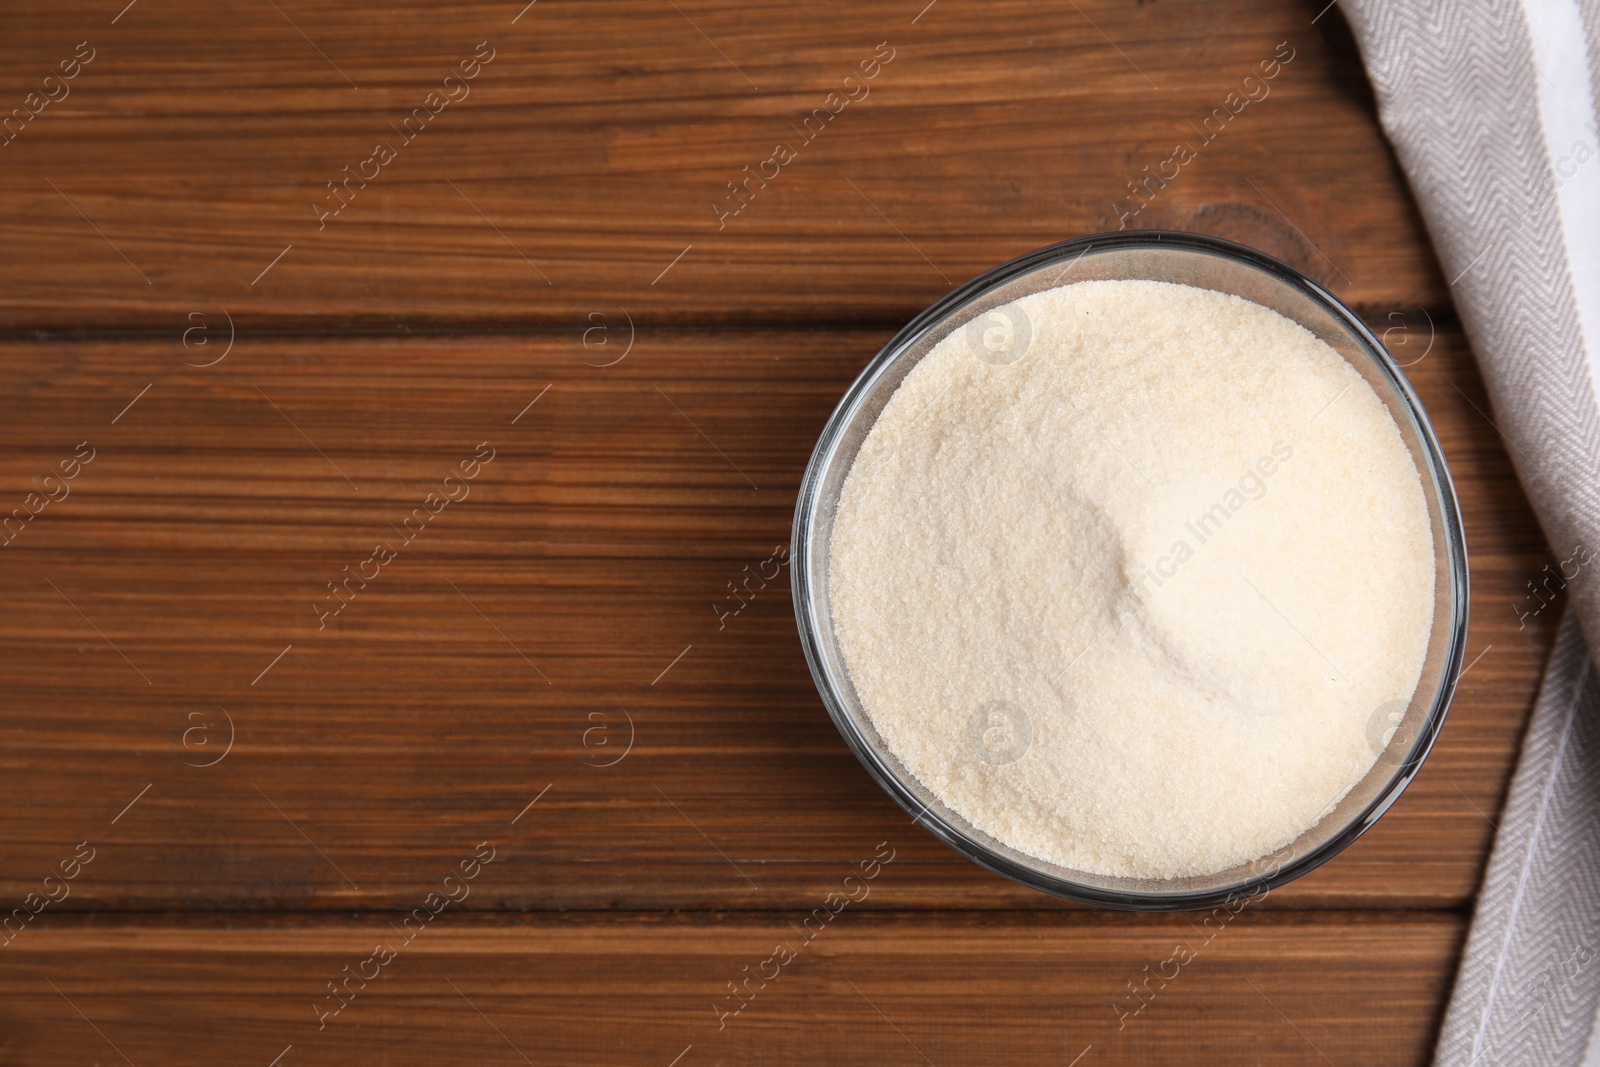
{"x": 1490, "y": 105}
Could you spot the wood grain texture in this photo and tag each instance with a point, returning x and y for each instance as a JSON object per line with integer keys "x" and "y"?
{"x": 590, "y": 151}
{"x": 593, "y": 549}
{"x": 267, "y": 786}
{"x": 866, "y": 990}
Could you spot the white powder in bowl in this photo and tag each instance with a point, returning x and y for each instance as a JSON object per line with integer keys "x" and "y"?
{"x": 1123, "y": 573}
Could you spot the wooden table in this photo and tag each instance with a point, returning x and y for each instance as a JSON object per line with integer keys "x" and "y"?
{"x": 226, "y": 782}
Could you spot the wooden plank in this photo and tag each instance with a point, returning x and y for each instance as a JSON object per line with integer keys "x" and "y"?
{"x": 939, "y": 988}
{"x": 187, "y": 168}
{"x": 266, "y": 398}
{"x": 172, "y": 592}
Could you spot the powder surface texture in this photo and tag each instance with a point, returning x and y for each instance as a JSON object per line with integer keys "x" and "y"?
{"x": 1131, "y": 602}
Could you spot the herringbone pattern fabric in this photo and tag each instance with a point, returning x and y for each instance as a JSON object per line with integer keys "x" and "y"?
{"x": 1490, "y": 106}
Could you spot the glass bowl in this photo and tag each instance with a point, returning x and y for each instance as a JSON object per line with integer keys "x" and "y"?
{"x": 1404, "y": 734}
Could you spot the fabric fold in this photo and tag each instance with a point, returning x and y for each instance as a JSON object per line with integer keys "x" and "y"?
{"x": 1491, "y": 108}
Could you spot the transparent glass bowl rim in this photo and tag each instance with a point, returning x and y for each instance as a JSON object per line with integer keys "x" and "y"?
{"x": 812, "y": 628}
